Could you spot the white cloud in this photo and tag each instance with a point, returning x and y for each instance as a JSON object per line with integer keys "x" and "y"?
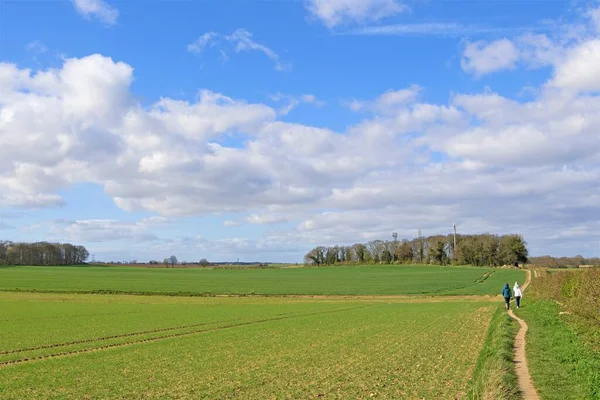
{"x": 98, "y": 9}
{"x": 267, "y": 219}
{"x": 575, "y": 42}
{"x": 594, "y": 16}
{"x": 106, "y": 230}
{"x": 487, "y": 161}
{"x": 243, "y": 41}
{"x": 295, "y": 101}
{"x": 482, "y": 58}
{"x": 202, "y": 42}
{"x": 537, "y": 51}
{"x": 389, "y": 102}
{"x": 552, "y": 129}
{"x": 579, "y": 71}
{"x": 337, "y": 12}
{"x": 530, "y": 50}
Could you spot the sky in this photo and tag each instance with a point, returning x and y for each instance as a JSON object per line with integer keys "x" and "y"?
{"x": 259, "y": 129}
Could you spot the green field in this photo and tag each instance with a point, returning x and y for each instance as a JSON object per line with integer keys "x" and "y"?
{"x": 350, "y": 280}
{"x": 76, "y": 346}
{"x": 563, "y": 352}
{"x": 368, "y": 332}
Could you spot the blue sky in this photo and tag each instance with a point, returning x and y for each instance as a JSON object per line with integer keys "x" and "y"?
{"x": 259, "y": 129}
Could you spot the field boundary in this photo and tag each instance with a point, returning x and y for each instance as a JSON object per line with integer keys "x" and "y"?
{"x": 432, "y": 295}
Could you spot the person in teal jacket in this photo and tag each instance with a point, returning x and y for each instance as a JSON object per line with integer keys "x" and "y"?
{"x": 507, "y": 295}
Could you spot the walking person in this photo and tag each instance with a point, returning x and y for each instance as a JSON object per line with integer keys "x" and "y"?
{"x": 517, "y": 293}
{"x": 506, "y": 294}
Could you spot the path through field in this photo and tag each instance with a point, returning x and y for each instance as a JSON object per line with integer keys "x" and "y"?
{"x": 525, "y": 382}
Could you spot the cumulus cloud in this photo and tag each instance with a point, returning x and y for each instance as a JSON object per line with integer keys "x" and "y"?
{"x": 579, "y": 70}
{"x": 487, "y": 161}
{"x": 529, "y": 50}
{"x": 536, "y": 50}
{"x": 575, "y": 43}
{"x": 482, "y": 58}
{"x": 106, "y": 230}
{"x": 337, "y": 12}
{"x": 552, "y": 129}
{"x": 98, "y": 9}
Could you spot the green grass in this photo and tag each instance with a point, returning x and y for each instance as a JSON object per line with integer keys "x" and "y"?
{"x": 561, "y": 364}
{"x": 276, "y": 348}
{"x": 350, "y": 280}
{"x": 495, "y": 375}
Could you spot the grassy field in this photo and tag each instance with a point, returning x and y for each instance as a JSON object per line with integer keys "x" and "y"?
{"x": 350, "y": 280}
{"x": 563, "y": 352}
{"x": 64, "y": 346}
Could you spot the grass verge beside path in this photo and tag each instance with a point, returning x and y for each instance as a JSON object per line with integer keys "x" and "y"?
{"x": 495, "y": 376}
{"x": 561, "y": 364}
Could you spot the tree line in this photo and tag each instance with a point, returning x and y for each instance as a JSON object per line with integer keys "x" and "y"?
{"x": 41, "y": 253}
{"x": 480, "y": 250}
{"x": 563, "y": 262}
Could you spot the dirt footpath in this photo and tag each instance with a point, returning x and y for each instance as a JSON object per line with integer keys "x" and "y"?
{"x": 525, "y": 383}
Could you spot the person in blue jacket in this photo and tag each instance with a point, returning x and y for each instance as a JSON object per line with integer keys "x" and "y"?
{"x": 507, "y": 295}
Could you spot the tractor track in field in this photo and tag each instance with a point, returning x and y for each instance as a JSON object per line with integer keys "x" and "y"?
{"x": 73, "y": 316}
{"x": 174, "y": 335}
{"x": 520, "y": 357}
{"x": 479, "y": 280}
{"x": 101, "y": 339}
